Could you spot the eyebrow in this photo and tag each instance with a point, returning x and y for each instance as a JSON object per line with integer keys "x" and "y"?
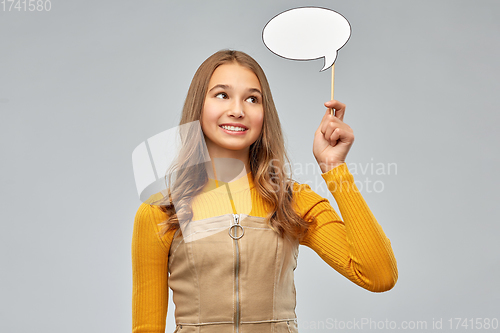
{"x": 227, "y": 87}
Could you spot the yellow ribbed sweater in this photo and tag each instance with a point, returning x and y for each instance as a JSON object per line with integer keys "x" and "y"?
{"x": 356, "y": 247}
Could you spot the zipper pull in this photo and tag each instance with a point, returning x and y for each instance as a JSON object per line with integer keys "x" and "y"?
{"x": 236, "y": 219}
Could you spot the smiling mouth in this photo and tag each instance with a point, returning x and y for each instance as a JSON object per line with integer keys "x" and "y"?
{"x": 233, "y": 128}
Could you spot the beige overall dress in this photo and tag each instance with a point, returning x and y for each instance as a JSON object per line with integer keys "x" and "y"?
{"x": 233, "y": 273}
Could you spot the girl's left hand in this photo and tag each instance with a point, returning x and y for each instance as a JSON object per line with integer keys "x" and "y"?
{"x": 333, "y": 138}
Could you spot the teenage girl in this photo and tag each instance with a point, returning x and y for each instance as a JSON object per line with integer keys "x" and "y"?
{"x": 230, "y": 266}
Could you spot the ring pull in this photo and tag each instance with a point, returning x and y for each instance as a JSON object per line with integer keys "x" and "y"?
{"x": 236, "y": 237}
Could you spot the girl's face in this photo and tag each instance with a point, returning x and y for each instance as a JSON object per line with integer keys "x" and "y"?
{"x": 233, "y": 113}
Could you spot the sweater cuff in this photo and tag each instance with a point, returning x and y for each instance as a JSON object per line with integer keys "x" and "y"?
{"x": 340, "y": 181}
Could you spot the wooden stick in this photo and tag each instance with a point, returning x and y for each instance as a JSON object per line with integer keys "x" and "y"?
{"x": 333, "y": 81}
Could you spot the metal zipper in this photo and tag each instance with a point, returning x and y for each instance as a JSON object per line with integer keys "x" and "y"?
{"x": 235, "y": 237}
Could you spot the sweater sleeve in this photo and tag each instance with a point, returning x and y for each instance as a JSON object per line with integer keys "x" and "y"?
{"x": 149, "y": 271}
{"x": 357, "y": 246}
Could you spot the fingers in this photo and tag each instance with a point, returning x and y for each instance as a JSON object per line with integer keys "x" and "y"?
{"x": 329, "y": 123}
{"x": 339, "y": 108}
{"x": 333, "y": 137}
{"x": 333, "y": 134}
{"x": 332, "y": 128}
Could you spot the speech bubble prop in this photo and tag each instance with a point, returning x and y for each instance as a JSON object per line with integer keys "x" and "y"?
{"x": 307, "y": 33}
{"x": 180, "y": 156}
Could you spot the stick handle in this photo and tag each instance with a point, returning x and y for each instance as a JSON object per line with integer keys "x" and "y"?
{"x": 333, "y": 80}
{"x": 333, "y": 85}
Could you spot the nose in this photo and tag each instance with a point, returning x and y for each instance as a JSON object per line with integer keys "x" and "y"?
{"x": 236, "y": 110}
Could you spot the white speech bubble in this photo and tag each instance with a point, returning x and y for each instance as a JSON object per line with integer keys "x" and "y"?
{"x": 307, "y": 33}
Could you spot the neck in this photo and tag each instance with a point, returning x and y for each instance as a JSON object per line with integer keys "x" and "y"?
{"x": 226, "y": 169}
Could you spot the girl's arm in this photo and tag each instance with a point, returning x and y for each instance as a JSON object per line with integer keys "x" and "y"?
{"x": 150, "y": 272}
{"x": 357, "y": 246}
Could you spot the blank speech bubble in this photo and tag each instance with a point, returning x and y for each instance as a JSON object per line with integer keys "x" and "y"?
{"x": 307, "y": 33}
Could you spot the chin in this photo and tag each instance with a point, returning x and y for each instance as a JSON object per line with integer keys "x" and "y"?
{"x": 234, "y": 147}
{"x": 237, "y": 148}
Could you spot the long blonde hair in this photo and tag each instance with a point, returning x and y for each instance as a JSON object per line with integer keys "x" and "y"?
{"x": 268, "y": 157}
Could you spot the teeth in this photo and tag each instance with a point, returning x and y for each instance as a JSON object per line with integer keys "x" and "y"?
{"x": 232, "y": 128}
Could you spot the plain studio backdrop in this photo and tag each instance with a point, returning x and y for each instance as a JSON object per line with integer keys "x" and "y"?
{"x": 83, "y": 84}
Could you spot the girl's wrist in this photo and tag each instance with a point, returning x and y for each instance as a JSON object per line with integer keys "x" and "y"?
{"x": 325, "y": 167}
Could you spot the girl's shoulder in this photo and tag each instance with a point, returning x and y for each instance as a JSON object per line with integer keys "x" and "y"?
{"x": 156, "y": 198}
{"x": 305, "y": 198}
{"x": 150, "y": 209}
{"x": 148, "y": 224}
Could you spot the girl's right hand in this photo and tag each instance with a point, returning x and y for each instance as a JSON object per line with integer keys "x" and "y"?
{"x": 333, "y": 138}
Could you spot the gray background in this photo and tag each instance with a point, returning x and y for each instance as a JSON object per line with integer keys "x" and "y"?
{"x": 84, "y": 83}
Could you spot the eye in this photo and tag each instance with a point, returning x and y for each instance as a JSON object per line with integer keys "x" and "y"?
{"x": 221, "y": 95}
{"x": 252, "y": 99}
